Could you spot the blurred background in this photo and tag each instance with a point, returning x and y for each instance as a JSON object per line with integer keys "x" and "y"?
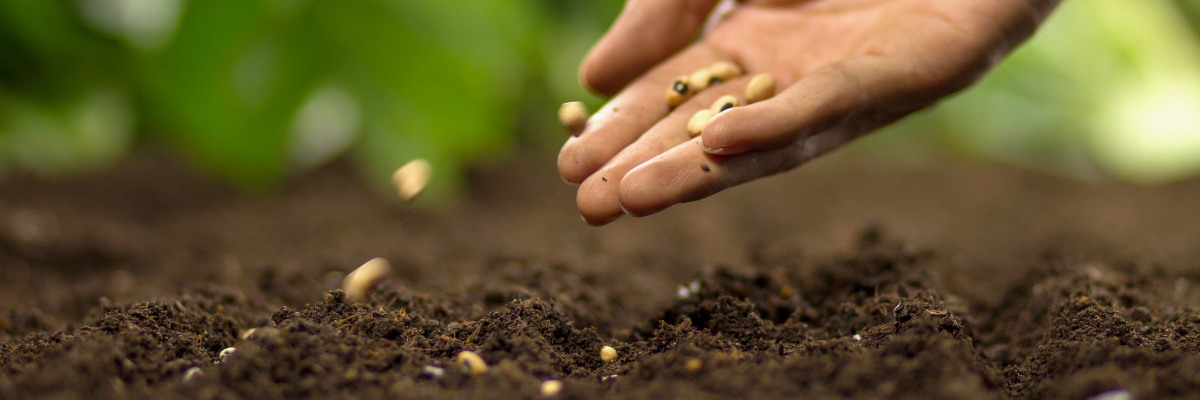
{"x": 256, "y": 92}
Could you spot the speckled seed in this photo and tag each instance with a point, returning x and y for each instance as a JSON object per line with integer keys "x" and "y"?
{"x": 724, "y": 103}
{"x": 693, "y": 365}
{"x": 192, "y": 373}
{"x": 411, "y": 179}
{"x": 679, "y": 91}
{"x": 471, "y": 363}
{"x": 551, "y": 387}
{"x": 760, "y": 88}
{"x": 573, "y": 116}
{"x": 703, "y": 79}
{"x": 248, "y": 333}
{"x": 695, "y": 125}
{"x": 607, "y": 354}
{"x": 358, "y": 284}
{"x": 225, "y": 354}
{"x": 725, "y": 70}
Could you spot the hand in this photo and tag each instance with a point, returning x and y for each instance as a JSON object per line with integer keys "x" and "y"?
{"x": 845, "y": 68}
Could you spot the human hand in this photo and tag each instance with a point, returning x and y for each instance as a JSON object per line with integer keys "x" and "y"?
{"x": 845, "y": 67}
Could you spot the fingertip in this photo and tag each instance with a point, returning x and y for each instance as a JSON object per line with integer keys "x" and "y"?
{"x": 638, "y": 191}
{"x": 598, "y": 201}
{"x": 720, "y": 135}
{"x": 592, "y": 77}
{"x": 574, "y": 165}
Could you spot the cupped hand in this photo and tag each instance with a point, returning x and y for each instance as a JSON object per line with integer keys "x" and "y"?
{"x": 844, "y": 68}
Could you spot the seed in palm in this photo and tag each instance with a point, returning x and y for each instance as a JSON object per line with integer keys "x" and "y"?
{"x": 723, "y": 104}
{"x": 695, "y": 126}
{"x": 760, "y": 88}
{"x": 679, "y": 92}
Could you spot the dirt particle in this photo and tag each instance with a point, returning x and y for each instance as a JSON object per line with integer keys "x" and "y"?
{"x": 704, "y": 167}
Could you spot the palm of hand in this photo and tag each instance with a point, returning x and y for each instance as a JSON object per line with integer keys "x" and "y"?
{"x": 847, "y": 67}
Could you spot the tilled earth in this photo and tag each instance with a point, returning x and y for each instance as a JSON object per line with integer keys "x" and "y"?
{"x": 845, "y": 280}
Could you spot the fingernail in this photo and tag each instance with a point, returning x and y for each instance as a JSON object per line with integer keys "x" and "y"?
{"x": 601, "y": 223}
{"x": 627, "y": 212}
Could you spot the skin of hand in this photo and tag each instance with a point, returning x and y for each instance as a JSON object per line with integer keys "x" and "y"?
{"x": 844, "y": 68}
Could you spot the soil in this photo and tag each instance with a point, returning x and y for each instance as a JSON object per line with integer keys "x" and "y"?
{"x": 846, "y": 279}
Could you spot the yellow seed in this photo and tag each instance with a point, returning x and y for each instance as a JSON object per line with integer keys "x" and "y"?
{"x": 679, "y": 91}
{"x": 471, "y": 363}
{"x": 358, "y": 284}
{"x": 693, "y": 365}
{"x": 573, "y": 116}
{"x": 724, "y": 103}
{"x": 607, "y": 354}
{"x": 725, "y": 70}
{"x": 760, "y": 88}
{"x": 551, "y": 387}
{"x": 696, "y": 125}
{"x": 411, "y": 179}
{"x": 702, "y": 79}
{"x": 249, "y": 332}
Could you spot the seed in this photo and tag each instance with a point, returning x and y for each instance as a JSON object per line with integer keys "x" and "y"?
{"x": 693, "y": 365}
{"x": 411, "y": 179}
{"x": 760, "y": 88}
{"x": 225, "y": 354}
{"x": 725, "y": 70}
{"x": 696, "y": 125}
{"x": 192, "y": 373}
{"x": 433, "y": 371}
{"x": 724, "y": 103}
{"x": 471, "y": 363}
{"x": 679, "y": 91}
{"x": 703, "y": 79}
{"x": 551, "y": 387}
{"x": 607, "y": 354}
{"x": 358, "y": 284}
{"x": 573, "y": 116}
{"x": 248, "y": 333}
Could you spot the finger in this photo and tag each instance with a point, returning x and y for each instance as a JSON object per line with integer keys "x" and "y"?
{"x": 598, "y": 196}
{"x": 628, "y": 116}
{"x": 687, "y": 173}
{"x": 863, "y": 93}
{"x": 647, "y": 32}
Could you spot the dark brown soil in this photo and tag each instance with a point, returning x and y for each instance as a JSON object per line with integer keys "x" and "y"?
{"x": 844, "y": 280}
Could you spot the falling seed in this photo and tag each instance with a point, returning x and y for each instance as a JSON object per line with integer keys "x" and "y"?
{"x": 724, "y": 103}
{"x": 695, "y": 126}
{"x": 679, "y": 91}
{"x": 225, "y": 354}
{"x": 702, "y": 79}
{"x": 471, "y": 363}
{"x": 249, "y": 332}
{"x": 693, "y": 365}
{"x": 573, "y": 116}
{"x": 411, "y": 179}
{"x": 358, "y": 284}
{"x": 607, "y": 354}
{"x": 551, "y": 387}
{"x": 192, "y": 373}
{"x": 760, "y": 88}
{"x": 725, "y": 70}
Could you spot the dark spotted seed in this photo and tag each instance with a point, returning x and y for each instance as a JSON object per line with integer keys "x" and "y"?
{"x": 680, "y": 87}
{"x": 725, "y": 107}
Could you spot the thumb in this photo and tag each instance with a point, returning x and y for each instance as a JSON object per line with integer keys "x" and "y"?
{"x": 646, "y": 33}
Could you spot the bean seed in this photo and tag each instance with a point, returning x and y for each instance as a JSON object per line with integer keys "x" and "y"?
{"x": 725, "y": 70}
{"x": 573, "y": 116}
{"x": 551, "y": 387}
{"x": 248, "y": 333}
{"x": 607, "y": 354}
{"x": 411, "y": 179}
{"x": 696, "y": 125}
{"x": 724, "y": 103}
{"x": 192, "y": 373}
{"x": 679, "y": 91}
{"x": 760, "y": 88}
{"x": 358, "y": 284}
{"x": 703, "y": 79}
{"x": 471, "y": 363}
{"x": 225, "y": 354}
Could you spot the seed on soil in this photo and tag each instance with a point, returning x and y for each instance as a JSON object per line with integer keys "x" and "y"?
{"x": 607, "y": 354}
{"x": 248, "y": 333}
{"x": 857, "y": 337}
{"x": 702, "y": 79}
{"x": 551, "y": 387}
{"x": 573, "y": 116}
{"x": 358, "y": 284}
{"x": 695, "y": 126}
{"x": 725, "y": 70}
{"x": 724, "y": 103}
{"x": 760, "y": 88}
{"x": 1114, "y": 394}
{"x": 901, "y": 312}
{"x": 433, "y": 371}
{"x": 679, "y": 91}
{"x": 225, "y": 354}
{"x": 471, "y": 363}
{"x": 192, "y": 373}
{"x": 692, "y": 365}
{"x": 411, "y": 179}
